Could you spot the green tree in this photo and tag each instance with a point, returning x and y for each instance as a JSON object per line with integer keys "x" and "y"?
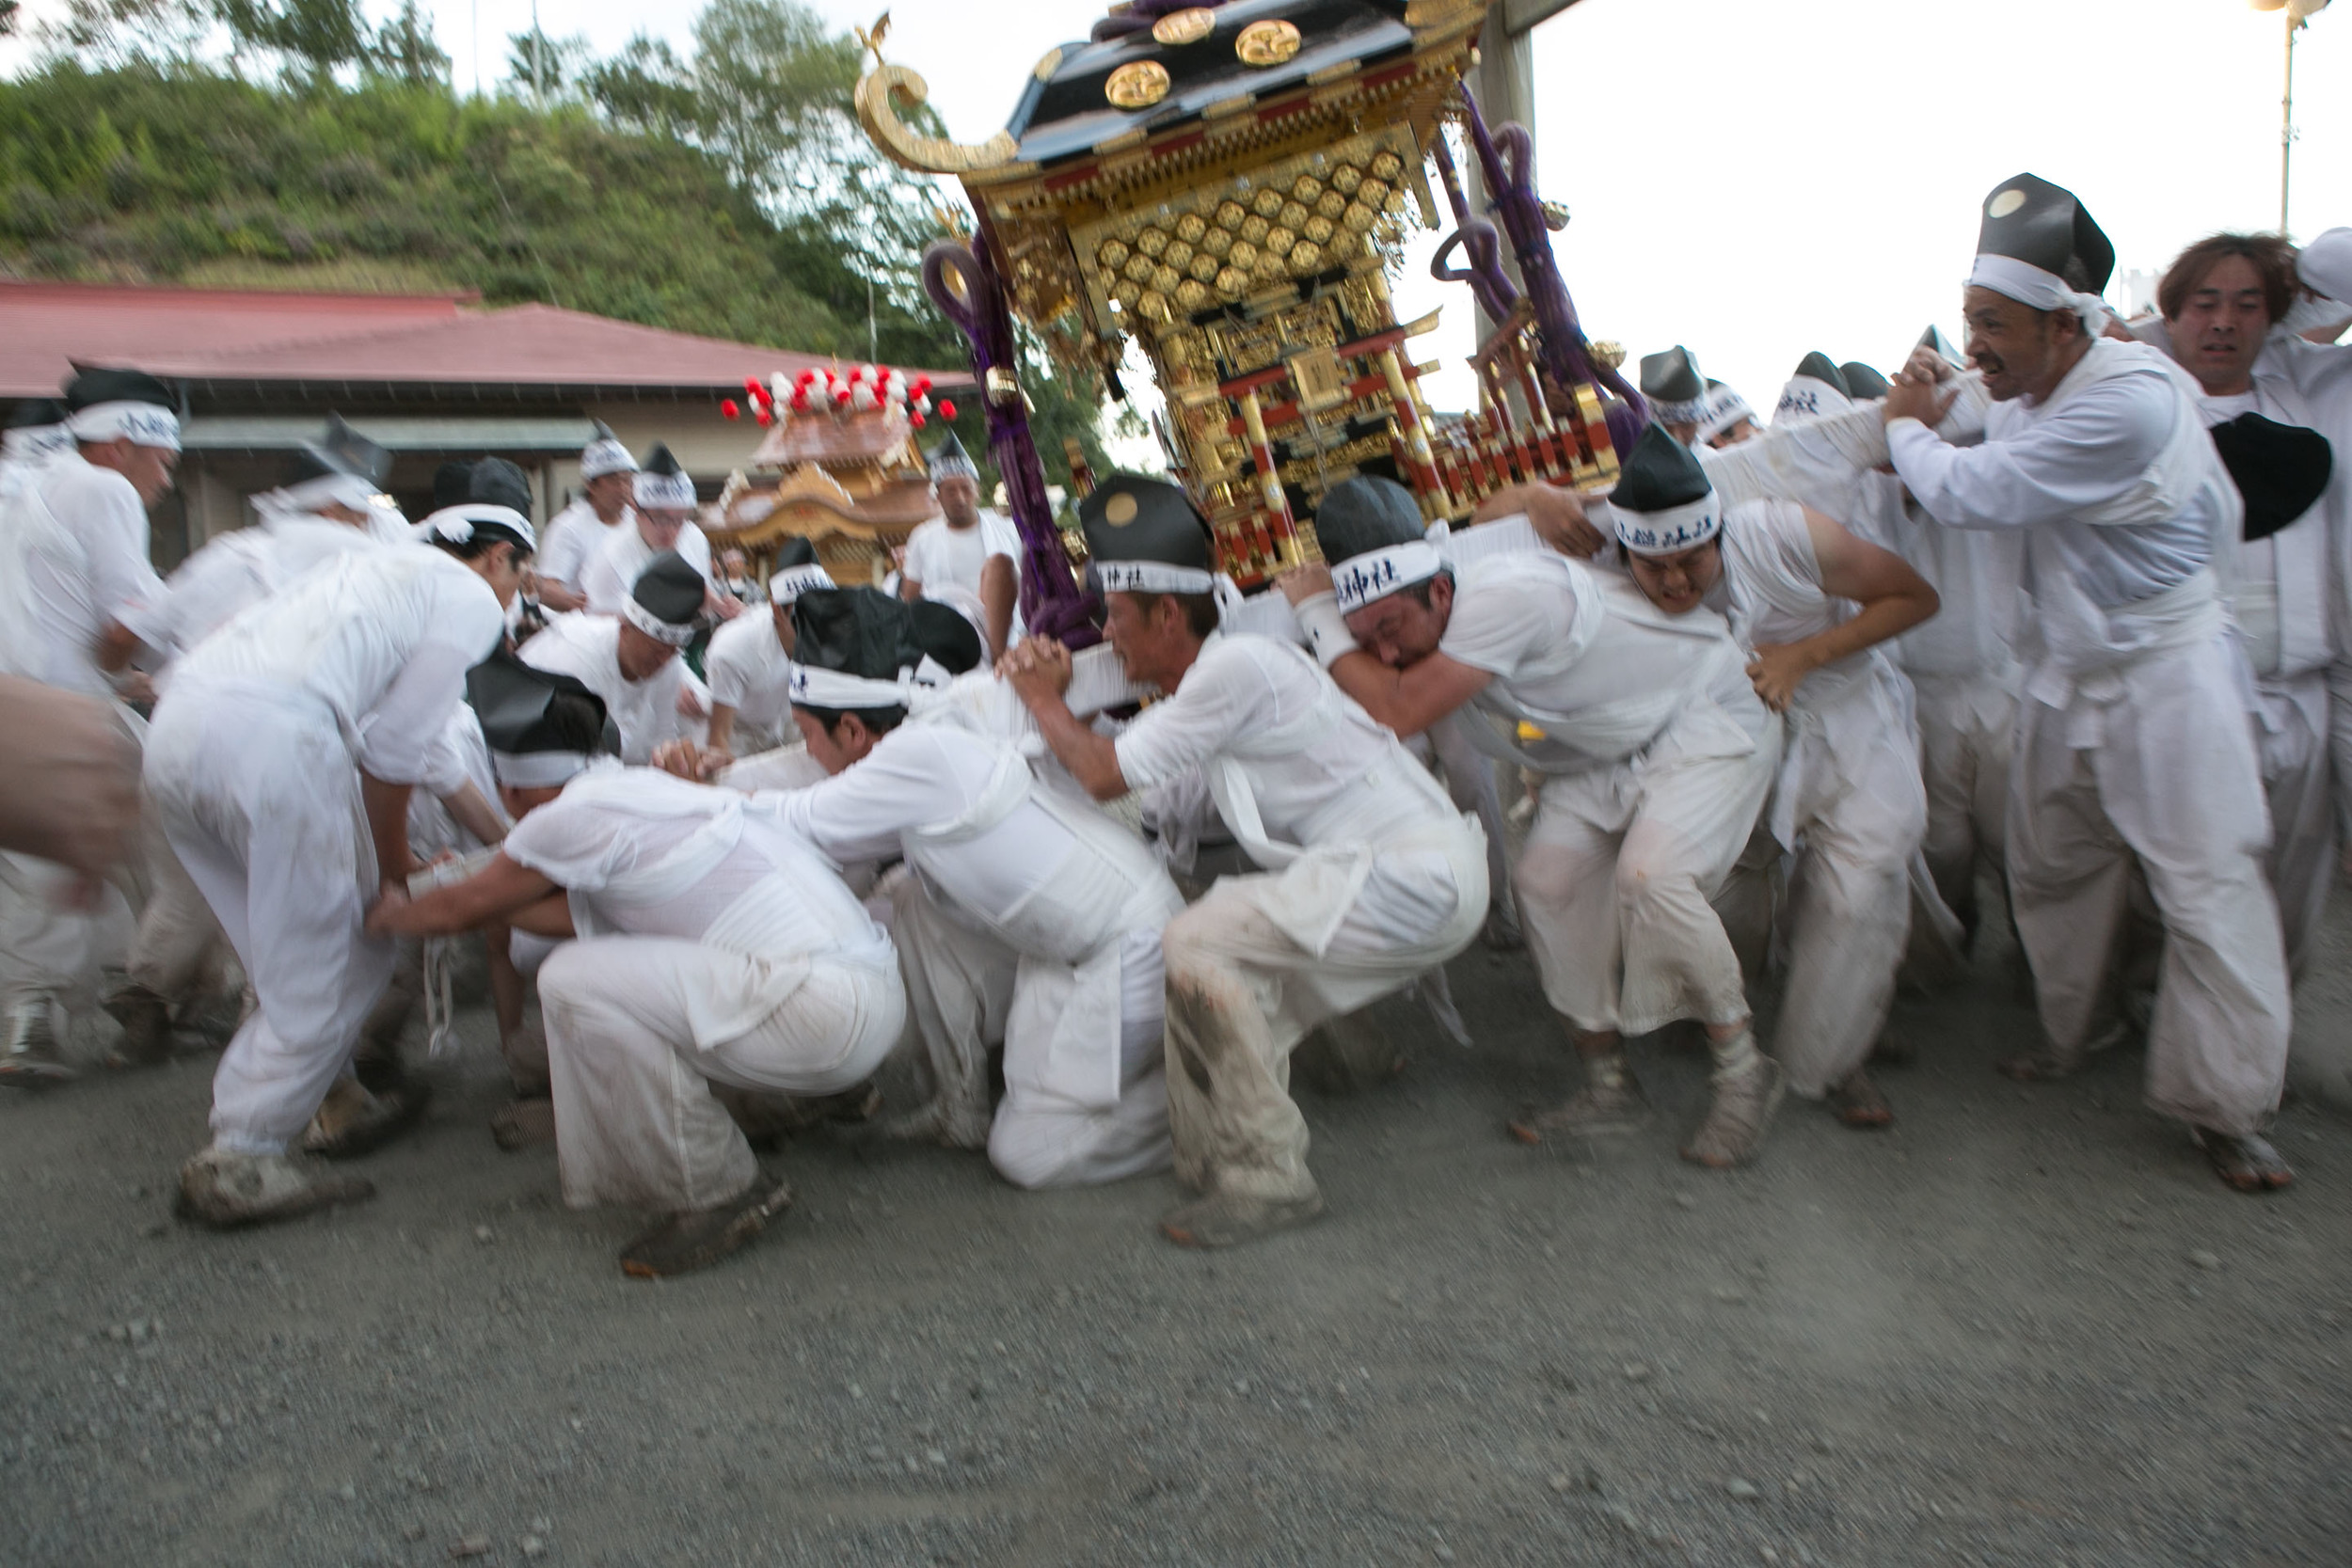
{"x": 316, "y": 36}
{"x": 406, "y": 50}
{"x": 546, "y": 68}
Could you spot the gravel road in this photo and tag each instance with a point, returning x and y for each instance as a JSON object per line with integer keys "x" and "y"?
{"x": 2026, "y": 1326}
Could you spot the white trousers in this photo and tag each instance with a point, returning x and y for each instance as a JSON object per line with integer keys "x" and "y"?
{"x": 1860, "y": 811}
{"x": 963, "y": 991}
{"x": 1617, "y": 876}
{"x": 177, "y": 932}
{"x": 261, "y": 803}
{"x": 1967, "y": 730}
{"x": 635, "y": 1121}
{"x": 2164, "y": 771}
{"x": 1242, "y": 991}
{"x": 2292, "y": 735}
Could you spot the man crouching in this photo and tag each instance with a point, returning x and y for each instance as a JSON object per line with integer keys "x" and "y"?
{"x": 712, "y": 938}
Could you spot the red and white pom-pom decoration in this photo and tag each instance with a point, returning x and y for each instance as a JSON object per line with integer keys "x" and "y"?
{"x": 858, "y": 389}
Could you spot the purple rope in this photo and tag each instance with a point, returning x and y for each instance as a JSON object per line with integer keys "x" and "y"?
{"x": 1052, "y": 603}
{"x": 1507, "y": 161}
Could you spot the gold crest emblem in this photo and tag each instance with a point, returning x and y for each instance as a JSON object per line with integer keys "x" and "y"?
{"x": 1119, "y": 510}
{"x": 1265, "y": 44}
{"x": 1184, "y": 27}
{"x": 1137, "y": 85}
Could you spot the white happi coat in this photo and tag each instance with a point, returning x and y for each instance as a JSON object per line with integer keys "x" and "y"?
{"x": 1058, "y": 905}
{"x": 750, "y": 671}
{"x": 573, "y": 538}
{"x": 1314, "y": 791}
{"x": 715, "y": 945}
{"x": 243, "y": 567}
{"x": 254, "y": 761}
{"x": 1849, "y": 802}
{"x": 613, "y": 568}
{"x": 1657, "y": 758}
{"x": 587, "y": 647}
{"x": 2134, "y": 738}
{"x": 78, "y": 536}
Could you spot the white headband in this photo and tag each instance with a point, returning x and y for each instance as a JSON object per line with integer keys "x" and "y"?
{"x": 35, "y": 443}
{"x": 539, "y": 769}
{"x": 664, "y": 490}
{"x": 789, "y": 584}
{"x": 654, "y": 626}
{"x": 606, "y": 456}
{"x": 294, "y": 500}
{"x": 1670, "y": 529}
{"x": 1806, "y": 398}
{"x": 2044, "y": 291}
{"x": 456, "y": 524}
{"x": 1724, "y": 410}
{"x": 143, "y": 424}
{"x": 1152, "y": 577}
{"x": 1680, "y": 413}
{"x": 1363, "y": 580}
{"x": 835, "y": 688}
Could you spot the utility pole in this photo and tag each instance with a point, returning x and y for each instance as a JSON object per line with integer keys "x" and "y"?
{"x": 2298, "y": 16}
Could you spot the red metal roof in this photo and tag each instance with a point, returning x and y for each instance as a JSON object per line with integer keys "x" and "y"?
{"x": 259, "y": 335}
{"x": 44, "y": 328}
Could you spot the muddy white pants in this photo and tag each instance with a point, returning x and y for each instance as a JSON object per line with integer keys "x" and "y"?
{"x": 1617, "y": 876}
{"x": 1860, "y": 810}
{"x": 635, "y": 1121}
{"x": 2164, "y": 771}
{"x": 962, "y": 990}
{"x": 1242, "y": 993}
{"x": 261, "y": 803}
{"x": 2292, "y": 735}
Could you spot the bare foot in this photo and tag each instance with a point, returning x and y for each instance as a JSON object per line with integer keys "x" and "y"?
{"x": 2248, "y": 1163}
{"x": 1858, "y": 1103}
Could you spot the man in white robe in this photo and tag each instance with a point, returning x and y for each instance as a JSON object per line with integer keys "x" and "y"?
{"x": 576, "y": 534}
{"x": 630, "y": 659}
{"x": 1812, "y": 604}
{"x": 281, "y": 760}
{"x": 2221, "y": 301}
{"x": 664, "y": 524}
{"x": 1030, "y": 918}
{"x": 1656, "y": 758}
{"x": 967, "y": 555}
{"x": 74, "y": 552}
{"x": 715, "y": 947}
{"x": 329, "y": 507}
{"x": 2134, "y": 743}
{"x": 750, "y": 662}
{"x": 1370, "y": 875}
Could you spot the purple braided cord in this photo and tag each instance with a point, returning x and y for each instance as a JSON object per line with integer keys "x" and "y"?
{"x": 1482, "y": 246}
{"x": 1052, "y": 603}
{"x": 1507, "y": 161}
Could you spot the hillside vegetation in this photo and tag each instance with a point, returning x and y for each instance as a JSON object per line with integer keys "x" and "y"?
{"x": 727, "y": 193}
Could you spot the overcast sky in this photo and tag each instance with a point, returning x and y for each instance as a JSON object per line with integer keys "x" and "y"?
{"x": 1760, "y": 178}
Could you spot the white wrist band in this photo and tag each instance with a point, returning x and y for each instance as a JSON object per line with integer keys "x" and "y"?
{"x": 1325, "y": 628}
